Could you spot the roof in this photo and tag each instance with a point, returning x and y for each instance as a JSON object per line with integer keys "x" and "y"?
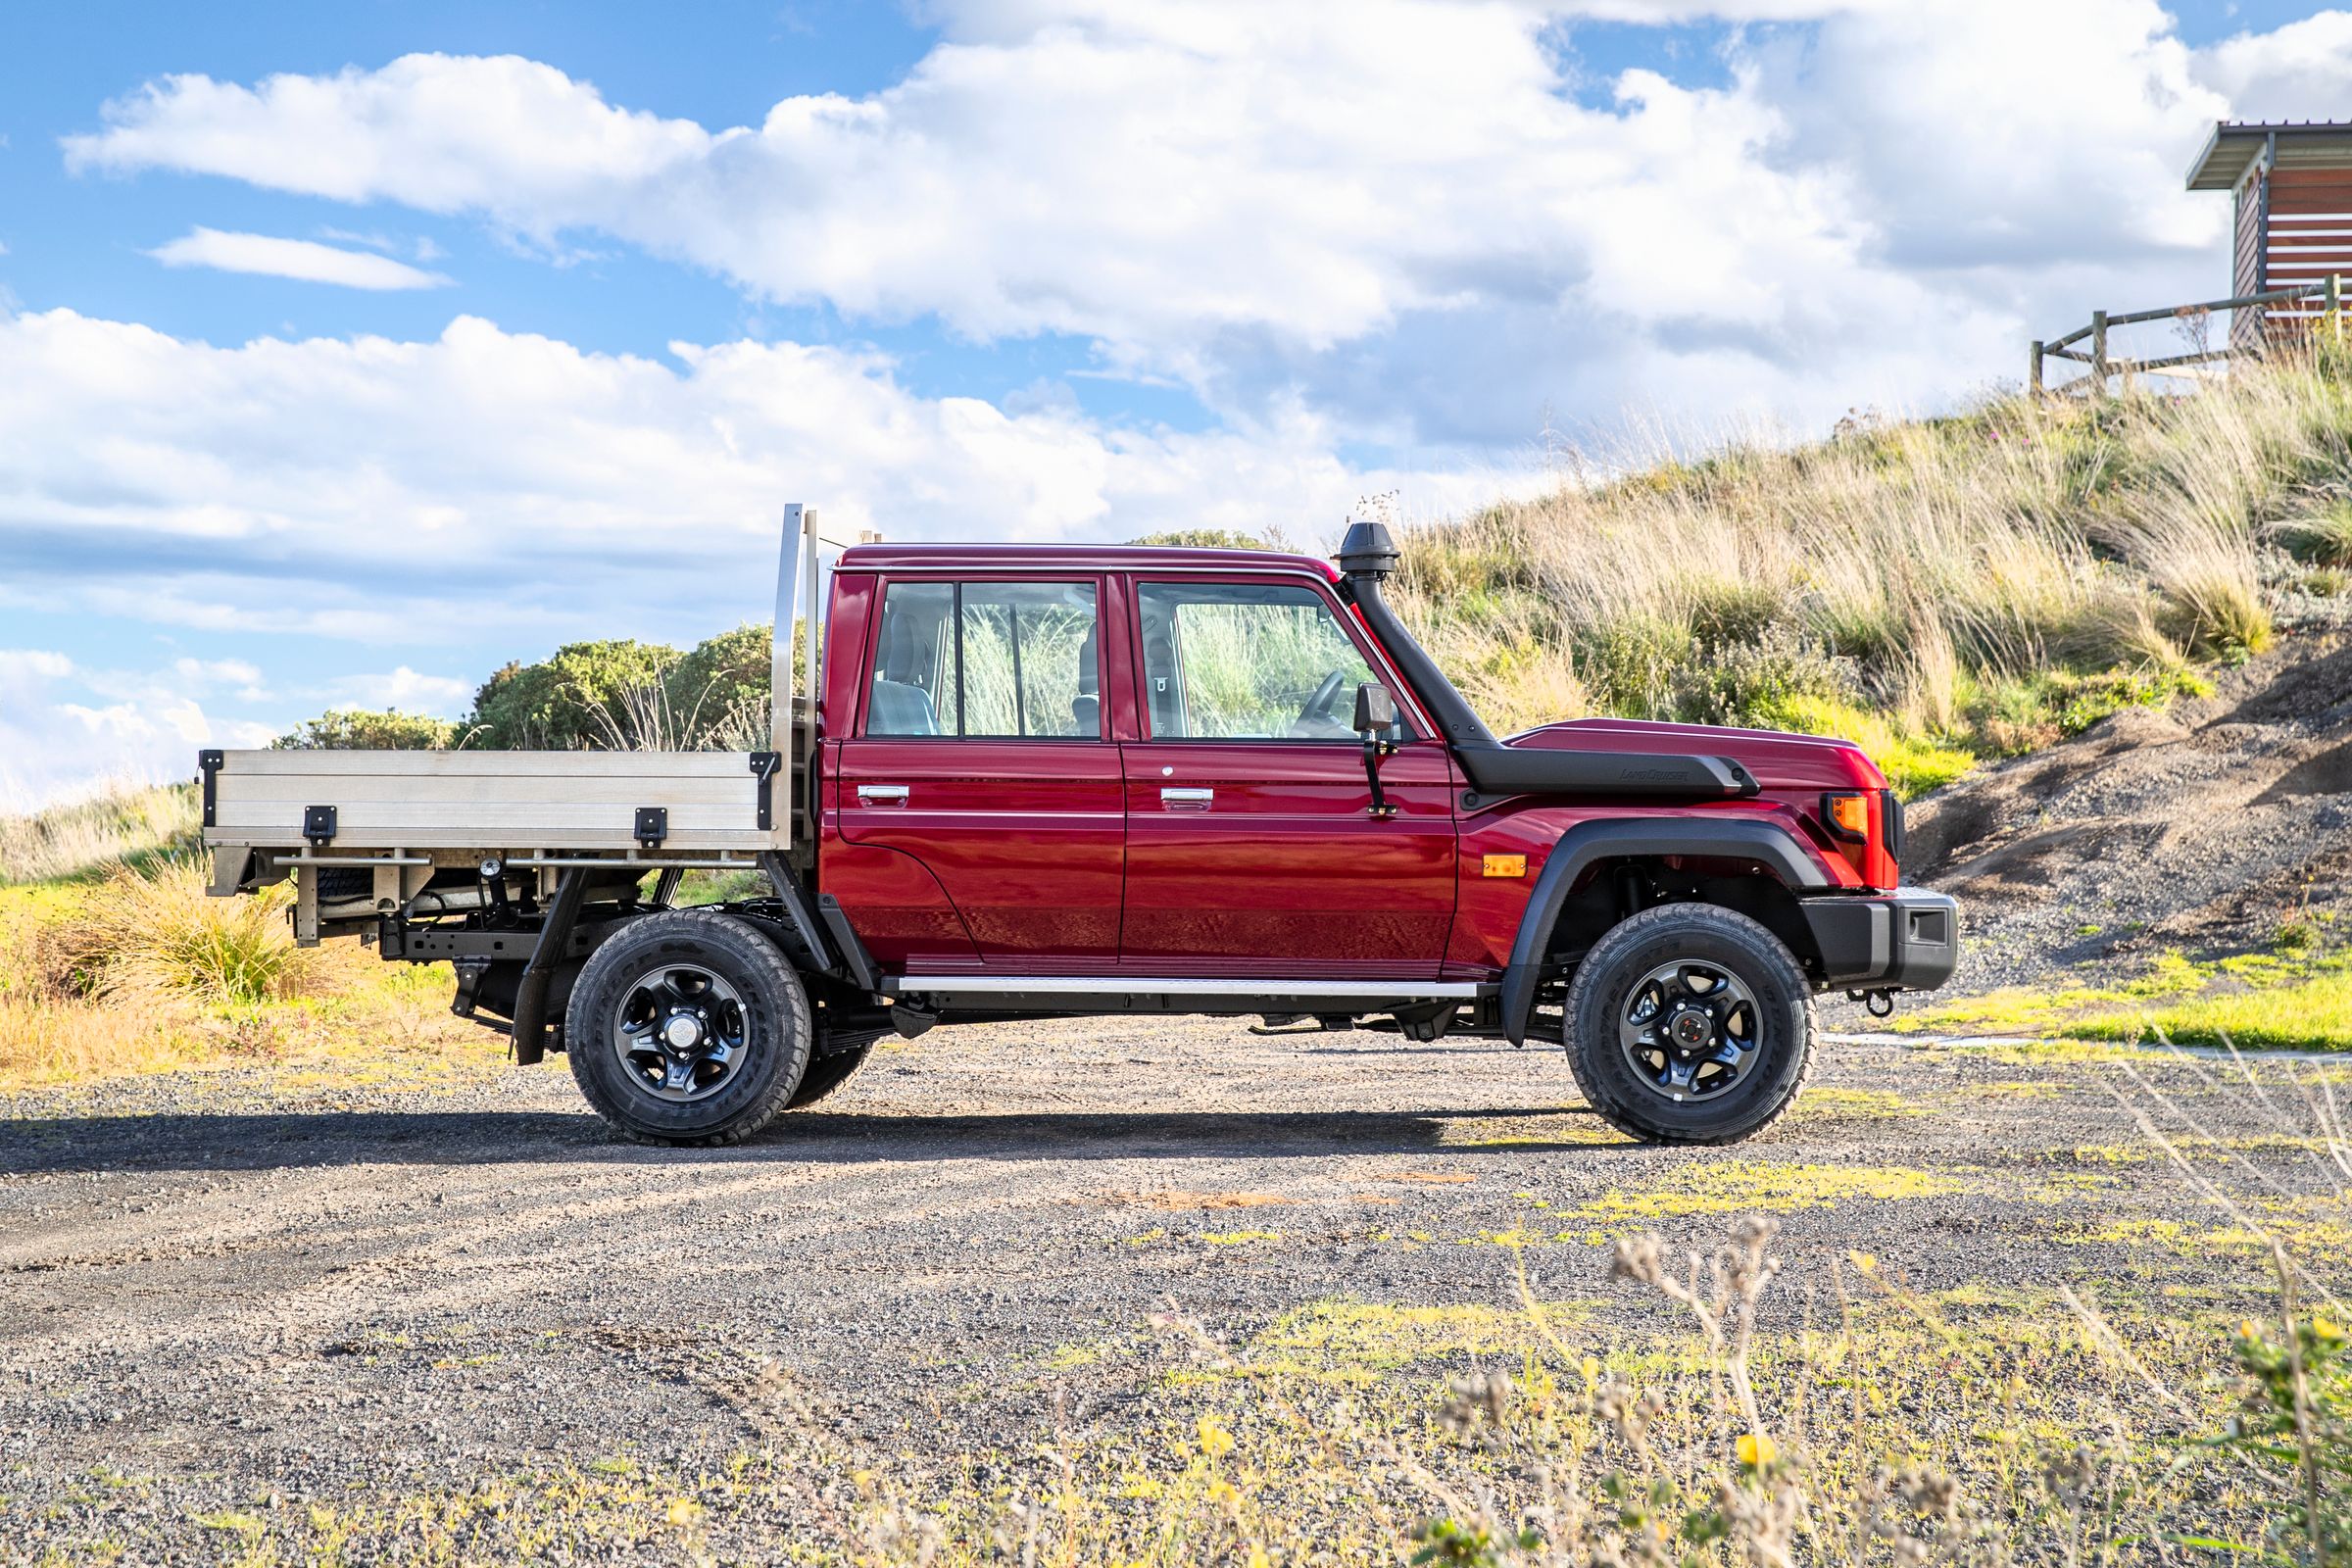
{"x": 2236, "y": 143}
{"x": 1070, "y": 558}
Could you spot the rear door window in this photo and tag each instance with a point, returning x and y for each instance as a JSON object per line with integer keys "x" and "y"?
{"x": 994, "y": 661}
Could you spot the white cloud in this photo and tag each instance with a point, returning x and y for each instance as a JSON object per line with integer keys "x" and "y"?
{"x": 409, "y": 492}
{"x": 404, "y": 689}
{"x": 306, "y": 260}
{"x": 1400, "y": 211}
{"x": 64, "y": 729}
{"x": 2302, "y": 70}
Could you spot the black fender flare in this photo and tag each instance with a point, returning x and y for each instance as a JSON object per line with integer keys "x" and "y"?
{"x": 1617, "y": 838}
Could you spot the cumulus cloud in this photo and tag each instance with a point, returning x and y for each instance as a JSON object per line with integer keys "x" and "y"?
{"x": 1397, "y": 210}
{"x": 65, "y": 728}
{"x": 404, "y": 492}
{"x": 2302, "y": 70}
{"x": 404, "y": 689}
{"x": 306, "y": 260}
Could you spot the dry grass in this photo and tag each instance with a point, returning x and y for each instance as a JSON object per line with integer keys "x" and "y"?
{"x": 143, "y": 973}
{"x": 124, "y": 822}
{"x": 1929, "y": 578}
{"x": 152, "y": 935}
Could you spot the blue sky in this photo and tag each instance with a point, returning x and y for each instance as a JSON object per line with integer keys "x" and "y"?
{"x": 1039, "y": 269}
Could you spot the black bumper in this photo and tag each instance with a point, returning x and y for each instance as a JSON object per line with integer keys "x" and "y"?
{"x": 1908, "y": 940}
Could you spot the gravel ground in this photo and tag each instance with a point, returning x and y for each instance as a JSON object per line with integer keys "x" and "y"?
{"x": 2201, "y": 828}
{"x": 249, "y": 1293}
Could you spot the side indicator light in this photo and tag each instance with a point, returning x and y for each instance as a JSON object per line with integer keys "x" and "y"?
{"x": 1848, "y": 815}
{"x": 1506, "y": 865}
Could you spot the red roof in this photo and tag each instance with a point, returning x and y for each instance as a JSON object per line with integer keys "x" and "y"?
{"x": 1070, "y": 558}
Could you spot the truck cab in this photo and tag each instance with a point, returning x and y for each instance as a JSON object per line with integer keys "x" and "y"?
{"x": 1061, "y": 782}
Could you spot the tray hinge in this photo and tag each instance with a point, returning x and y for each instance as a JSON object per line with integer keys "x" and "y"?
{"x": 764, "y": 767}
{"x": 209, "y": 762}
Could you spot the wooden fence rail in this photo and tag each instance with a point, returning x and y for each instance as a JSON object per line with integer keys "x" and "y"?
{"x": 2329, "y": 293}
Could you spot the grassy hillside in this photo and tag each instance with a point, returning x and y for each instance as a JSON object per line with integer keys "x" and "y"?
{"x": 1940, "y": 590}
{"x": 133, "y": 822}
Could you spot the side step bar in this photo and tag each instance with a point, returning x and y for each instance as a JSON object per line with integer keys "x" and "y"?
{"x": 1112, "y": 993}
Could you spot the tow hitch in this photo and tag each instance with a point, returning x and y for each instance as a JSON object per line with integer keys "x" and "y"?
{"x": 1881, "y": 1002}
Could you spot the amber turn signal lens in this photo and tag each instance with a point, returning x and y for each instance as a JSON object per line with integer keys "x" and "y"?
{"x": 1506, "y": 865}
{"x": 1848, "y": 815}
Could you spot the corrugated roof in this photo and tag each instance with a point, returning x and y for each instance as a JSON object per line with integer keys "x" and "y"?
{"x": 2236, "y": 143}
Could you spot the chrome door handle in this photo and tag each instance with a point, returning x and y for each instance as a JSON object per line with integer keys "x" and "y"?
{"x": 881, "y": 792}
{"x": 1187, "y": 797}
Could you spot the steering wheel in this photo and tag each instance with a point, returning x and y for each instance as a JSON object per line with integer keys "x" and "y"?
{"x": 1314, "y": 712}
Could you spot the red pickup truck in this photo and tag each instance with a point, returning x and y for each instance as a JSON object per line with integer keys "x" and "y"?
{"x": 1036, "y": 782}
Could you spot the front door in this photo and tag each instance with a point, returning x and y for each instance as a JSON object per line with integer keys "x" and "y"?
{"x": 980, "y": 758}
{"x": 1252, "y": 849}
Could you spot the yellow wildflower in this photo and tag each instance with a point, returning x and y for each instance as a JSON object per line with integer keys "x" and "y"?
{"x": 1756, "y": 1449}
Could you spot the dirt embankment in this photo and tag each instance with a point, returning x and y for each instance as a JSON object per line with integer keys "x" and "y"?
{"x": 2204, "y": 827}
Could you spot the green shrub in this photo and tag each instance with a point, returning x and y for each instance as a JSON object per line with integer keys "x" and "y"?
{"x": 357, "y": 729}
{"x": 1761, "y": 684}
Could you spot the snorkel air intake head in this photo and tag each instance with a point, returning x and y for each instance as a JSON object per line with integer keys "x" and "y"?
{"x": 1367, "y": 550}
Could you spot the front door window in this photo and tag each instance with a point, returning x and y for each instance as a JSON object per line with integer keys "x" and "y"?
{"x": 1253, "y": 662}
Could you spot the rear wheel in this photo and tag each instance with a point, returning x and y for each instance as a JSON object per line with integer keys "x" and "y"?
{"x": 831, "y": 1070}
{"x": 688, "y": 1027}
{"x": 1690, "y": 1023}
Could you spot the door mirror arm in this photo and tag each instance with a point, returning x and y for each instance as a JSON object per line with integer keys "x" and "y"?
{"x": 1376, "y": 721}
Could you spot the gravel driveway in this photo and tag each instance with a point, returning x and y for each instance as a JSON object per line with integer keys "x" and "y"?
{"x": 245, "y": 1288}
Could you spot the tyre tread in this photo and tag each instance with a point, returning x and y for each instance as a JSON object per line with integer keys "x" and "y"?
{"x": 784, "y": 983}
{"x": 1633, "y": 930}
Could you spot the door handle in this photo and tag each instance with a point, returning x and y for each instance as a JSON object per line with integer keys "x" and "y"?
{"x": 1187, "y": 797}
{"x": 871, "y": 792}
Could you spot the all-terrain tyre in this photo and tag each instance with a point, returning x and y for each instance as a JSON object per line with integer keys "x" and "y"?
{"x": 842, "y": 1057}
{"x": 1690, "y": 1023}
{"x": 688, "y": 1027}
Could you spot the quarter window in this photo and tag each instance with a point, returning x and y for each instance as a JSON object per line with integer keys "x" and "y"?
{"x": 987, "y": 661}
{"x": 1246, "y": 662}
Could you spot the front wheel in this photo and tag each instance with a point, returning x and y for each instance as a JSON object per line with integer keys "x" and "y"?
{"x": 687, "y": 1027}
{"x": 1690, "y": 1023}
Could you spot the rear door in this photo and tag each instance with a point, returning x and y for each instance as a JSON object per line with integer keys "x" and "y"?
{"x": 1252, "y": 849}
{"x": 980, "y": 752}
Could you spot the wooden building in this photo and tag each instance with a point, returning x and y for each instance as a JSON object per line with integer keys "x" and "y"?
{"x": 2291, "y": 185}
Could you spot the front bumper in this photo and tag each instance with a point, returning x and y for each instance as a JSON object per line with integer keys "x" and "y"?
{"x": 1908, "y": 940}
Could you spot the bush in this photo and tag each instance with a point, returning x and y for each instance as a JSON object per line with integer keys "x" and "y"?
{"x": 1761, "y": 684}
{"x": 155, "y": 934}
{"x": 357, "y": 729}
{"x": 2323, "y": 537}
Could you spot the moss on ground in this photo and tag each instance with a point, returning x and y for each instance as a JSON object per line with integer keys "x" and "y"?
{"x": 2295, "y": 998}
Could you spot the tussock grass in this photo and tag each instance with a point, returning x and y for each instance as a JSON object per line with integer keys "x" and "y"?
{"x": 128, "y": 822}
{"x": 143, "y": 973}
{"x": 1938, "y": 590}
{"x": 153, "y": 934}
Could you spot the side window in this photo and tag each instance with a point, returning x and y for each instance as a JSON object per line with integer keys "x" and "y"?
{"x": 986, "y": 659}
{"x": 1246, "y": 662}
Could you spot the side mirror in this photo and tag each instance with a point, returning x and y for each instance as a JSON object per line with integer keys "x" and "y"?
{"x": 1375, "y": 709}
